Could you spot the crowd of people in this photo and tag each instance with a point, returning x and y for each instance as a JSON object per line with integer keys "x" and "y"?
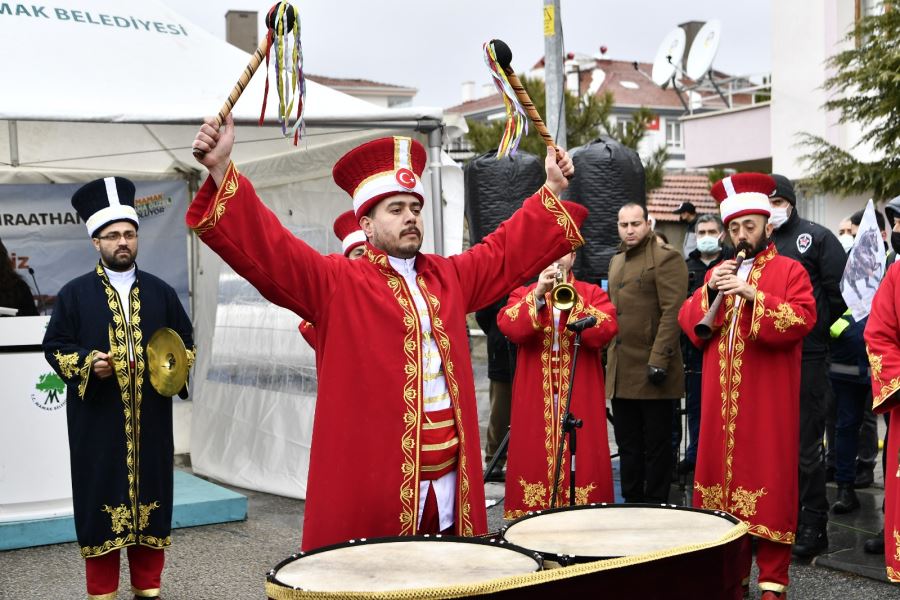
{"x": 763, "y": 283}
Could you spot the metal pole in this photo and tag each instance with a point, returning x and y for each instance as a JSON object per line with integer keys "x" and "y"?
{"x": 554, "y": 75}
{"x": 437, "y": 201}
{"x": 13, "y": 143}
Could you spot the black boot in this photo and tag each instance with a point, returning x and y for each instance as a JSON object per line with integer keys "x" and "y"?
{"x": 846, "y": 499}
{"x": 875, "y": 545}
{"x": 865, "y": 476}
{"x": 811, "y": 540}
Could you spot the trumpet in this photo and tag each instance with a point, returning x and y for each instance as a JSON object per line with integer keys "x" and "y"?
{"x": 704, "y": 329}
{"x": 563, "y": 295}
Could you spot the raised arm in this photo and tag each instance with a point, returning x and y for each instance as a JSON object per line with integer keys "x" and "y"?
{"x": 533, "y": 237}
{"x": 230, "y": 218}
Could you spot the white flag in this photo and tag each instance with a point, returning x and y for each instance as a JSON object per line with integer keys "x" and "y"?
{"x": 865, "y": 266}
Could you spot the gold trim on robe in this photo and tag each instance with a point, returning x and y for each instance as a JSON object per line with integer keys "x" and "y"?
{"x": 217, "y": 208}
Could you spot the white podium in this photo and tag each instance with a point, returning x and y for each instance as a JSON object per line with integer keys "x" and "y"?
{"x": 35, "y": 480}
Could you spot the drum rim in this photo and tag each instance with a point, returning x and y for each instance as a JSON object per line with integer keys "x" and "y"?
{"x": 567, "y": 559}
{"x": 496, "y": 541}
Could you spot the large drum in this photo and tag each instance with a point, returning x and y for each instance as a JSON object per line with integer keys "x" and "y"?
{"x": 400, "y": 567}
{"x": 640, "y": 550}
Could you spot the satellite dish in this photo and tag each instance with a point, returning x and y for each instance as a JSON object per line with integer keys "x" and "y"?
{"x": 703, "y": 50}
{"x": 672, "y": 47}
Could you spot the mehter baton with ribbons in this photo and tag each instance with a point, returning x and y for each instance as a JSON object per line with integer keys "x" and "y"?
{"x": 120, "y": 424}
{"x": 747, "y": 457}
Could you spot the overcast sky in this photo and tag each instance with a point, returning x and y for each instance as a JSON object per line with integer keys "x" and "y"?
{"x": 435, "y": 45}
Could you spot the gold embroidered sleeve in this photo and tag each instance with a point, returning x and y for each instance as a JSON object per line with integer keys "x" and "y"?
{"x": 596, "y": 312}
{"x": 85, "y": 373}
{"x": 527, "y": 302}
{"x": 219, "y": 204}
{"x": 192, "y": 355}
{"x": 563, "y": 218}
{"x": 784, "y": 317}
{"x": 68, "y": 363}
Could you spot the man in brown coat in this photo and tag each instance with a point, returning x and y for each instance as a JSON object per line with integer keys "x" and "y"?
{"x": 647, "y": 284}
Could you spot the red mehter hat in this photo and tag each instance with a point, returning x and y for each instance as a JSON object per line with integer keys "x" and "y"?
{"x": 578, "y": 212}
{"x": 381, "y": 168}
{"x": 346, "y": 228}
{"x": 743, "y": 194}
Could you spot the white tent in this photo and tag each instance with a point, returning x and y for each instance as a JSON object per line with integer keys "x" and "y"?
{"x": 104, "y": 87}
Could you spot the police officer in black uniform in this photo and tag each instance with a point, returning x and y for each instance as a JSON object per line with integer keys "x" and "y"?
{"x": 820, "y": 252}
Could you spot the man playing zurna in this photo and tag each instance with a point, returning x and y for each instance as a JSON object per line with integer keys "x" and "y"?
{"x": 747, "y": 457}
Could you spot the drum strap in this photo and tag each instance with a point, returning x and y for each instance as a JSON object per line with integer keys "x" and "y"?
{"x": 440, "y": 444}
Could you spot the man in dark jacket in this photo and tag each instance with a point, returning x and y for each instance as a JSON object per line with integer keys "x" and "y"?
{"x": 820, "y": 252}
{"x": 708, "y": 254}
{"x": 645, "y": 373}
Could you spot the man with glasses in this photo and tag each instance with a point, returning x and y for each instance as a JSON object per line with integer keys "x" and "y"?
{"x": 120, "y": 427}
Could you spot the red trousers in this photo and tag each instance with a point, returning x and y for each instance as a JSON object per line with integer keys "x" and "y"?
{"x": 144, "y": 564}
{"x": 773, "y": 560}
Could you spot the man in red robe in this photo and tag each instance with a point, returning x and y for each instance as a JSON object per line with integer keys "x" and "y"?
{"x": 883, "y": 345}
{"x": 395, "y": 446}
{"x": 353, "y": 245}
{"x": 541, "y": 386}
{"x": 747, "y": 457}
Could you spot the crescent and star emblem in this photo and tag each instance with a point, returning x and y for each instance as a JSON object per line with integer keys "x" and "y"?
{"x": 406, "y": 178}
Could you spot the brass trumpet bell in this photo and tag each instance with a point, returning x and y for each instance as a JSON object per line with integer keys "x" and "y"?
{"x": 167, "y": 362}
{"x": 563, "y": 295}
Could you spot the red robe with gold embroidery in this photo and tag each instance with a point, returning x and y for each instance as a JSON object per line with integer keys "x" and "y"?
{"x": 535, "y": 421}
{"x": 365, "y": 455}
{"x": 883, "y": 345}
{"x": 748, "y": 453}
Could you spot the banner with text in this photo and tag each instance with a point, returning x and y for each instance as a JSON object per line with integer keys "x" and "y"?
{"x": 41, "y": 231}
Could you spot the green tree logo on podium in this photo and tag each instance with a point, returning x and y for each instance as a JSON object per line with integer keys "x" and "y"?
{"x": 53, "y": 386}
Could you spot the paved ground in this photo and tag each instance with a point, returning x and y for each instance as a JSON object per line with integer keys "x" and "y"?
{"x": 229, "y": 561}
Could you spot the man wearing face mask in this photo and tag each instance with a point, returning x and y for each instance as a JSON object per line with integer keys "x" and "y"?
{"x": 709, "y": 253}
{"x": 823, "y": 257}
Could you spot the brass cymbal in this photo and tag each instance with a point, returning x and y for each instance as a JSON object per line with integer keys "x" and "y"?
{"x": 167, "y": 361}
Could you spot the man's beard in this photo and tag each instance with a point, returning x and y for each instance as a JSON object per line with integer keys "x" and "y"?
{"x": 119, "y": 263}
{"x": 749, "y": 250}
{"x": 403, "y": 247}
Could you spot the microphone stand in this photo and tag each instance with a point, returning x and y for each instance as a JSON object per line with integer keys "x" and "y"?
{"x": 569, "y": 425}
{"x": 38, "y": 290}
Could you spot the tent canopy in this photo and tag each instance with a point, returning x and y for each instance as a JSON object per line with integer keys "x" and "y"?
{"x": 103, "y": 87}
{"x": 95, "y": 65}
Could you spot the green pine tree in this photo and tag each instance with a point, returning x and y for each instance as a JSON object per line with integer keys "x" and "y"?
{"x": 866, "y": 91}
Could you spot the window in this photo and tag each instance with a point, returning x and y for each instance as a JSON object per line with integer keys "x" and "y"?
{"x": 673, "y": 134}
{"x": 624, "y": 126}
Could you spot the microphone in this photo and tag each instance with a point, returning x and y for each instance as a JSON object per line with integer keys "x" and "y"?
{"x": 582, "y": 324}
{"x": 40, "y": 299}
